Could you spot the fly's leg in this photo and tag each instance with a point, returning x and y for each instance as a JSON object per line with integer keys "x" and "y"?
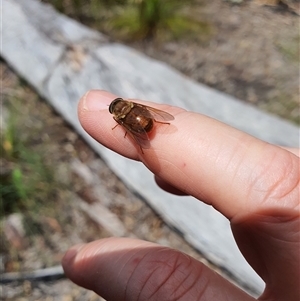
{"x": 141, "y": 150}
{"x": 116, "y": 126}
{"x": 162, "y": 122}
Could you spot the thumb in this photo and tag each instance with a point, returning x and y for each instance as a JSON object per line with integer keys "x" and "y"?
{"x": 128, "y": 269}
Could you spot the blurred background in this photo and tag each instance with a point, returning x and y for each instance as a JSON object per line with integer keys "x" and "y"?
{"x": 248, "y": 49}
{"x": 51, "y": 180}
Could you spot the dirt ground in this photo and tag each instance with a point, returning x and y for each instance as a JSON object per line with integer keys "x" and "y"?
{"x": 253, "y": 54}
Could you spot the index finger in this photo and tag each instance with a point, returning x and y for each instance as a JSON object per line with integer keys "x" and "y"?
{"x": 222, "y": 166}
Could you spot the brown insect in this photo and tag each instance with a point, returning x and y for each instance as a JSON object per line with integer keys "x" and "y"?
{"x": 138, "y": 120}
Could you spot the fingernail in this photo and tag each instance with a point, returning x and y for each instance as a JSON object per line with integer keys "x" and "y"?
{"x": 71, "y": 254}
{"x": 95, "y": 101}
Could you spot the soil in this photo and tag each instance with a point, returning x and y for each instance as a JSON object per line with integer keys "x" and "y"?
{"x": 245, "y": 56}
{"x": 252, "y": 54}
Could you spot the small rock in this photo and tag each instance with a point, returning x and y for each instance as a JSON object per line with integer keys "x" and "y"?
{"x": 14, "y": 230}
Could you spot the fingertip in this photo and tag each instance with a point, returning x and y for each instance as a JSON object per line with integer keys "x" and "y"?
{"x": 96, "y": 100}
{"x": 94, "y": 117}
{"x": 93, "y": 110}
{"x": 96, "y": 120}
{"x": 70, "y": 255}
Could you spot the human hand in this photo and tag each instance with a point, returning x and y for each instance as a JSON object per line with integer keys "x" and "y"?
{"x": 254, "y": 184}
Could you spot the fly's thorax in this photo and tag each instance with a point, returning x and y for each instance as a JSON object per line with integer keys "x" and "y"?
{"x": 120, "y": 108}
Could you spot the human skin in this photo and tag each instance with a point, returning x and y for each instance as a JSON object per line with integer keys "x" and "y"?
{"x": 252, "y": 183}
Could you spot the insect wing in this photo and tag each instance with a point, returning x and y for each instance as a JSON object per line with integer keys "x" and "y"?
{"x": 140, "y": 141}
{"x": 141, "y": 137}
{"x": 158, "y": 115}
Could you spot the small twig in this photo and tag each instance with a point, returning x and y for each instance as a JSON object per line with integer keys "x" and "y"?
{"x": 41, "y": 274}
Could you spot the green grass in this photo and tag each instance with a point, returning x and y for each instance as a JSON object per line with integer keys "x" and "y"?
{"x": 157, "y": 20}
{"x": 26, "y": 180}
{"x": 130, "y": 20}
